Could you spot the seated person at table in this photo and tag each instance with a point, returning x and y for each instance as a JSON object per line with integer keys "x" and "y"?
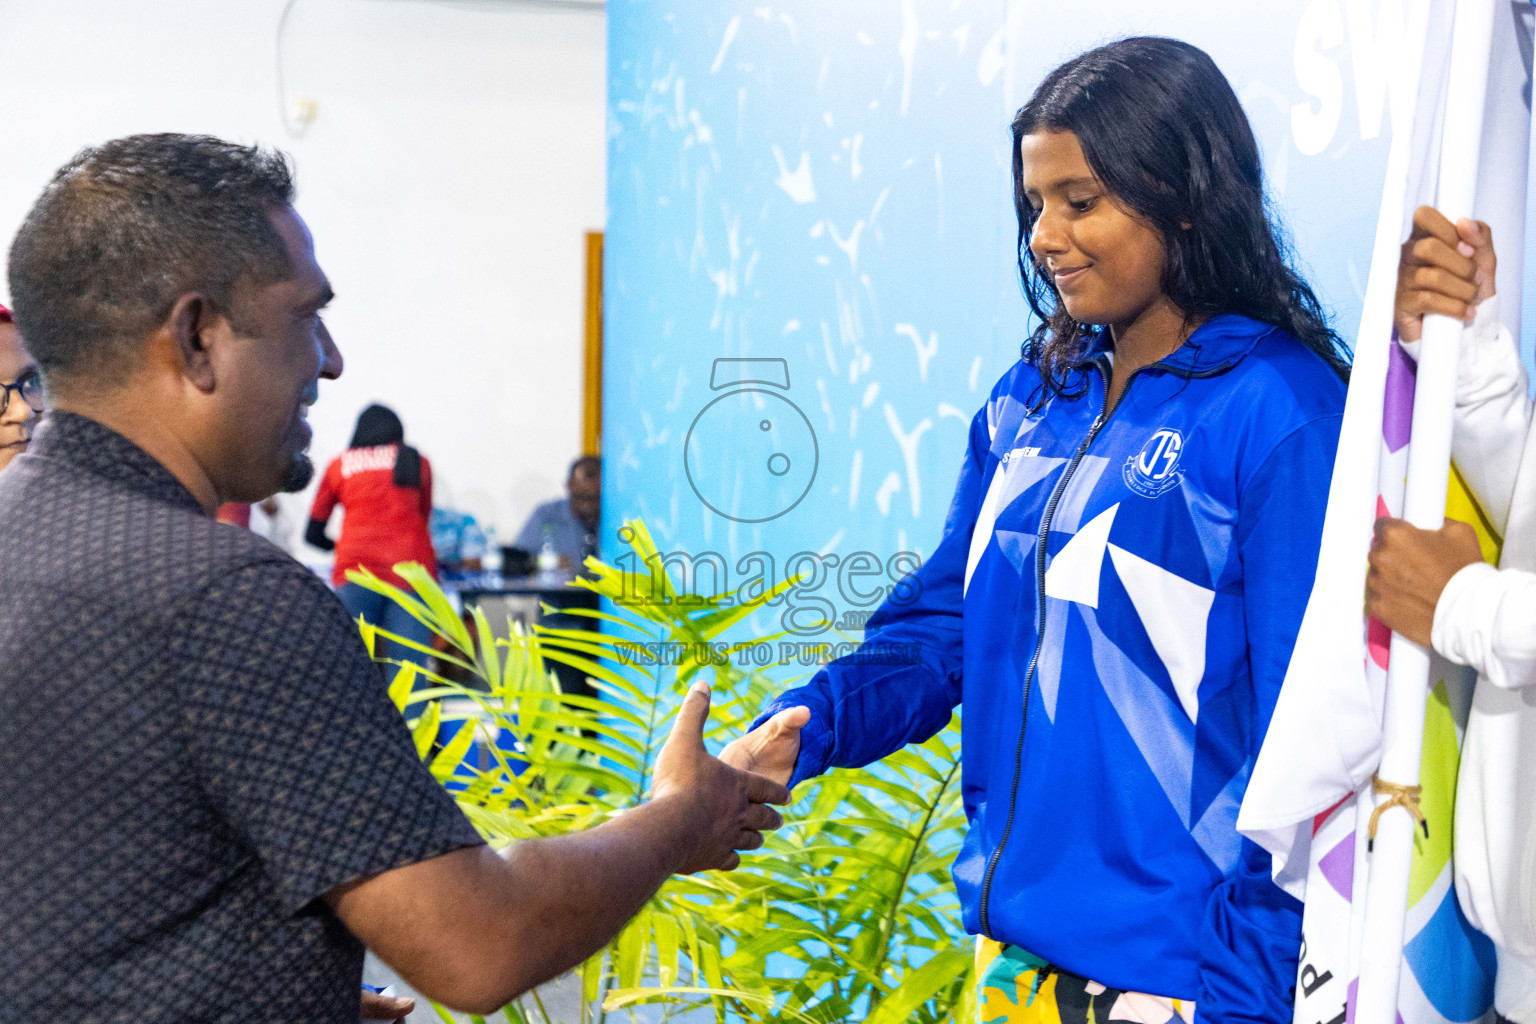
{"x": 457, "y": 540}
{"x": 568, "y": 526}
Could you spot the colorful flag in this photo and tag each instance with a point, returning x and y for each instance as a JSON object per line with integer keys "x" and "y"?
{"x": 1310, "y": 801}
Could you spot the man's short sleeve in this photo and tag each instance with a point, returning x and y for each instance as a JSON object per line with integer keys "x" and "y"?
{"x": 294, "y": 738}
{"x": 531, "y": 537}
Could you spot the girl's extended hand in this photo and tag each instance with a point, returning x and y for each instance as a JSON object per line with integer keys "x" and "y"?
{"x": 772, "y": 748}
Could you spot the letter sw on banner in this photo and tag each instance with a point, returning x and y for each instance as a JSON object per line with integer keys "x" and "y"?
{"x": 1309, "y": 799}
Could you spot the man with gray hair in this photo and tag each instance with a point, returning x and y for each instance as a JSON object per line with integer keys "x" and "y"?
{"x": 208, "y": 804}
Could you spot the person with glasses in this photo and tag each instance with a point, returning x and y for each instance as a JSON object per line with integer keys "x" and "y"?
{"x": 21, "y": 391}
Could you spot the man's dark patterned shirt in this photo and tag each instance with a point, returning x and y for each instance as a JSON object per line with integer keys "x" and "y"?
{"x": 194, "y": 747}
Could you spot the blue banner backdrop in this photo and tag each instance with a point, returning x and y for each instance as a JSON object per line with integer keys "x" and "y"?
{"x": 810, "y": 278}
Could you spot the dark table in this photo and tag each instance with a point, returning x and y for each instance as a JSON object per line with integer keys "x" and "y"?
{"x": 551, "y": 589}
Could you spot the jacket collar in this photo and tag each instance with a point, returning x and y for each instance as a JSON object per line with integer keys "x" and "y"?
{"x": 1213, "y": 348}
{"x": 85, "y": 444}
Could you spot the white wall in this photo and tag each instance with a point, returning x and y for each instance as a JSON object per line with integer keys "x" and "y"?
{"x": 455, "y": 163}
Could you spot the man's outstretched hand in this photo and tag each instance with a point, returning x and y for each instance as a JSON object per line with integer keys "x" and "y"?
{"x": 732, "y": 805}
{"x": 772, "y": 748}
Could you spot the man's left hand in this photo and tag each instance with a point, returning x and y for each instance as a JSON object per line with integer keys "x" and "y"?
{"x": 381, "y": 1007}
{"x": 1409, "y": 570}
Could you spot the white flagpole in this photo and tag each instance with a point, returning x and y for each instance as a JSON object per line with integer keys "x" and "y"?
{"x": 1429, "y": 461}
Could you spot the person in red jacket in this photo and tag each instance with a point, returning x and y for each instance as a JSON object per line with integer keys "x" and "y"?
{"x": 385, "y": 486}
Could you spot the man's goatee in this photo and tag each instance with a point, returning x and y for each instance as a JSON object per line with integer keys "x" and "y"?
{"x": 299, "y": 473}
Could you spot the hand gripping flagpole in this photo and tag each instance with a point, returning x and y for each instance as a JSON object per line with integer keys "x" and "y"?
{"x": 1429, "y": 461}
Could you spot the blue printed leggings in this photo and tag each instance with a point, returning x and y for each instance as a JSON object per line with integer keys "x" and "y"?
{"x": 378, "y": 610}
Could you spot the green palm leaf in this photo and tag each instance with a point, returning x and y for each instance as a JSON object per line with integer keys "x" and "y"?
{"x": 847, "y": 912}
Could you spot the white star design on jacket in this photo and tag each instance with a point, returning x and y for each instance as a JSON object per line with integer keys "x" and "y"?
{"x": 1173, "y": 611}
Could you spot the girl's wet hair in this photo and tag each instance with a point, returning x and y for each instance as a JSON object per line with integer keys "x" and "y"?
{"x": 1162, "y": 129}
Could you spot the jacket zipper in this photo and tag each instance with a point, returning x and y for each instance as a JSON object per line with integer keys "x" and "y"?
{"x": 1034, "y": 661}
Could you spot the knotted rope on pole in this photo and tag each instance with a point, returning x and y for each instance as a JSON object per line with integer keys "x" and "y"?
{"x": 1406, "y": 797}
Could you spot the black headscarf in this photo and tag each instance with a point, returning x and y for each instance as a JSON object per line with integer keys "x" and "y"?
{"x": 379, "y": 425}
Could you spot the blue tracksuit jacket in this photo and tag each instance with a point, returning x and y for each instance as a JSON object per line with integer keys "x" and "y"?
{"x": 1115, "y": 599}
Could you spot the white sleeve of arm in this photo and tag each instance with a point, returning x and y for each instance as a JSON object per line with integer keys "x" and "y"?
{"x": 1493, "y": 411}
{"x": 1486, "y": 618}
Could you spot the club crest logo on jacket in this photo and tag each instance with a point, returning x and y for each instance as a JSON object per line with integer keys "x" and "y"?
{"x": 1155, "y": 469}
